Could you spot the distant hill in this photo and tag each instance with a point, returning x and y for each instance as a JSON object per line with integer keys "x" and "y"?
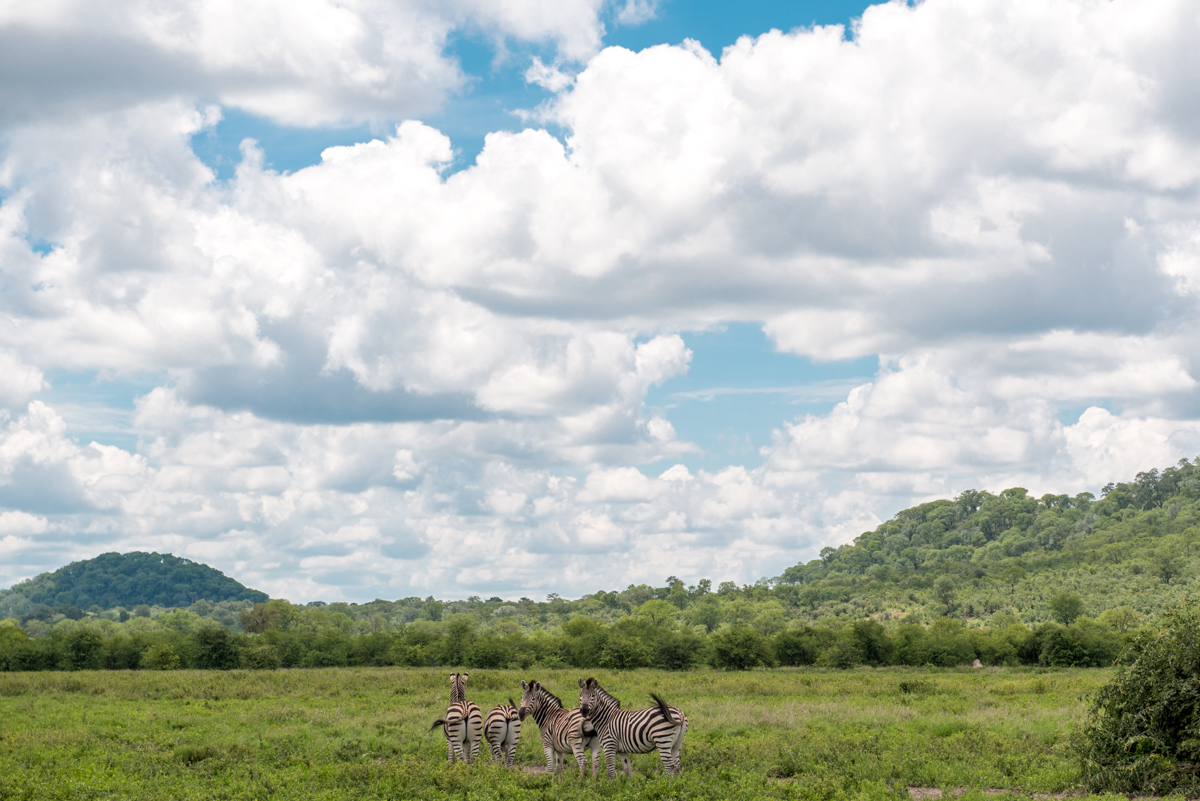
{"x": 112, "y": 579}
{"x": 1136, "y": 547}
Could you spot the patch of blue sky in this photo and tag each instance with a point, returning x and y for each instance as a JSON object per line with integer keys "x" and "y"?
{"x": 1069, "y": 415}
{"x": 40, "y": 246}
{"x": 716, "y": 24}
{"x": 285, "y": 148}
{"x": 96, "y": 407}
{"x": 497, "y": 97}
{"x": 739, "y": 389}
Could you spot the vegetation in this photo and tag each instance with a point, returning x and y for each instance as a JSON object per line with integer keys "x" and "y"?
{"x": 114, "y": 580}
{"x": 1143, "y": 734}
{"x": 362, "y": 734}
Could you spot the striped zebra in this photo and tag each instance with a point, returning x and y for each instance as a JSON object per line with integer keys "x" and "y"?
{"x": 660, "y": 728}
{"x": 564, "y": 731}
{"x": 463, "y": 724}
{"x": 502, "y": 730}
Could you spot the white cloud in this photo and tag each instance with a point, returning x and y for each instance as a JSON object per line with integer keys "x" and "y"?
{"x": 305, "y": 62}
{"x": 388, "y": 378}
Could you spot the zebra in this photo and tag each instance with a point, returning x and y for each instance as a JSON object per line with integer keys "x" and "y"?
{"x": 660, "y": 728}
{"x": 463, "y": 723}
{"x": 502, "y": 730}
{"x": 564, "y": 731}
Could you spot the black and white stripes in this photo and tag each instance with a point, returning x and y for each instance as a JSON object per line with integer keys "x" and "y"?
{"x": 463, "y": 724}
{"x": 599, "y": 722}
{"x": 660, "y": 728}
{"x": 502, "y": 730}
{"x": 563, "y": 730}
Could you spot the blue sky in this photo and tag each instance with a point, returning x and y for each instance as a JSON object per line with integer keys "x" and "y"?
{"x": 762, "y": 303}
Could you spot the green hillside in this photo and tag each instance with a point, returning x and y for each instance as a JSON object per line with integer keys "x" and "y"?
{"x": 114, "y": 580}
{"x": 1135, "y": 547}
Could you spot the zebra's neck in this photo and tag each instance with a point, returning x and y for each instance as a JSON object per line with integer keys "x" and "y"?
{"x": 545, "y": 707}
{"x": 603, "y": 711}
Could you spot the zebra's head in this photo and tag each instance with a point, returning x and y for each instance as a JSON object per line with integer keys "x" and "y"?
{"x": 592, "y": 696}
{"x": 534, "y": 697}
{"x": 458, "y": 688}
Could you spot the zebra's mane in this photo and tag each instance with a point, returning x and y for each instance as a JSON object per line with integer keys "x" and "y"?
{"x": 605, "y": 692}
{"x": 541, "y": 688}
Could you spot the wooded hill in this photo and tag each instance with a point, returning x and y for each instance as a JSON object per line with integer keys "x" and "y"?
{"x": 115, "y": 580}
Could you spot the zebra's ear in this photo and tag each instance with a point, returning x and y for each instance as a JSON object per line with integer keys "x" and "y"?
{"x": 524, "y": 686}
{"x": 582, "y": 683}
{"x": 465, "y": 678}
{"x": 453, "y": 676}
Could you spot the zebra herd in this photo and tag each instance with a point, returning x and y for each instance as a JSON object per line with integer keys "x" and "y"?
{"x": 598, "y": 723}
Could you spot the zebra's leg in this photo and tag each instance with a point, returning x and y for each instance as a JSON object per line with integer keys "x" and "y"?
{"x": 677, "y": 745}
{"x": 508, "y": 757}
{"x": 610, "y": 758}
{"x": 627, "y": 764}
{"x": 449, "y": 750}
{"x": 549, "y": 752}
{"x": 668, "y": 759}
{"x": 580, "y": 757}
{"x": 595, "y": 759}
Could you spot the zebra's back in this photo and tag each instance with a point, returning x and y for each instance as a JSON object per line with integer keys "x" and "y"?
{"x": 502, "y": 730}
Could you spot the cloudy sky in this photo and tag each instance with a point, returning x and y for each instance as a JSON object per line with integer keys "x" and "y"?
{"x": 368, "y": 299}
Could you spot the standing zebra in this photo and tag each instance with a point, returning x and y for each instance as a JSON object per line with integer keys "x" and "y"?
{"x": 658, "y": 728}
{"x": 564, "y": 731}
{"x": 502, "y": 730}
{"x": 463, "y": 723}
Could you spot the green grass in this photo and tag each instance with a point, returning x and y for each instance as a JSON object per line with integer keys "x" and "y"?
{"x": 363, "y": 733}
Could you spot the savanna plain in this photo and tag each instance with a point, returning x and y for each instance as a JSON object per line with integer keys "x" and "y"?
{"x": 349, "y": 733}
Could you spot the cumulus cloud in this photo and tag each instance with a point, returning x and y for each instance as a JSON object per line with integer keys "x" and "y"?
{"x": 308, "y": 63}
{"x": 387, "y": 378}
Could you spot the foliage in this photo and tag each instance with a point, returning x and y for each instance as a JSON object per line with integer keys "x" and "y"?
{"x": 1143, "y": 733}
{"x": 740, "y": 648}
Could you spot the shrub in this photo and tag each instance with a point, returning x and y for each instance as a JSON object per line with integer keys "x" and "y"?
{"x": 1143, "y": 732}
{"x": 739, "y": 648}
{"x": 214, "y": 649}
{"x": 82, "y": 649}
{"x": 160, "y": 657}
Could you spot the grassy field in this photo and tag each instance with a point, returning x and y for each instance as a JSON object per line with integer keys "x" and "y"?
{"x": 363, "y": 733}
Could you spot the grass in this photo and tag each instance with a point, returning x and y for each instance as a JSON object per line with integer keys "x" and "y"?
{"x": 363, "y": 734}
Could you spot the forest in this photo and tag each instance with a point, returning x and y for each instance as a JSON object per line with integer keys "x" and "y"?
{"x": 1004, "y": 578}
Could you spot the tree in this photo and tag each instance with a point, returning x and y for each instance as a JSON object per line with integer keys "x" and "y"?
{"x": 1166, "y": 566}
{"x": 1140, "y": 736}
{"x": 1066, "y": 607}
{"x": 1121, "y": 619}
{"x": 214, "y": 649}
{"x": 945, "y": 591}
{"x": 658, "y": 613}
{"x": 1010, "y": 575}
{"x": 739, "y": 648}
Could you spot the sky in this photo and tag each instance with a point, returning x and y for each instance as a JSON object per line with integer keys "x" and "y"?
{"x": 357, "y": 300}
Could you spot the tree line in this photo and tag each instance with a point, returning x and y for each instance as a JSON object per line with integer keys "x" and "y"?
{"x": 273, "y": 637}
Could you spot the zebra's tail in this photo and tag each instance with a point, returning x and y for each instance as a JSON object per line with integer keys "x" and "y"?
{"x": 510, "y": 702}
{"x": 436, "y": 723}
{"x": 662, "y": 707}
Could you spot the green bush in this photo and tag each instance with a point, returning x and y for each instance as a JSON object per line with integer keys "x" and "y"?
{"x": 160, "y": 657}
{"x": 1143, "y": 733}
{"x": 739, "y": 648}
{"x": 214, "y": 649}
